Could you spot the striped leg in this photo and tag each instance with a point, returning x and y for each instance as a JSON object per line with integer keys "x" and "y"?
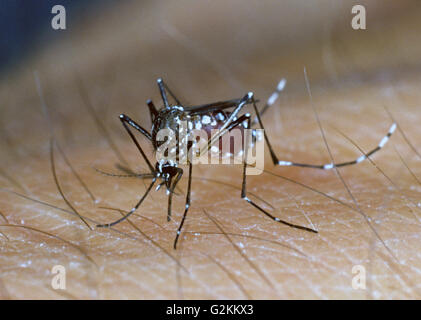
{"x": 126, "y": 120}
{"x": 187, "y": 206}
{"x": 244, "y": 191}
{"x": 329, "y": 166}
{"x": 271, "y": 100}
{"x": 108, "y": 225}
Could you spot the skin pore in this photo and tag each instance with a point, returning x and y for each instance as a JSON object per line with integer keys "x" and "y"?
{"x": 367, "y": 215}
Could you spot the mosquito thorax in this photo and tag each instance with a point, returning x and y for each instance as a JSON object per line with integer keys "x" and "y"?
{"x": 168, "y": 118}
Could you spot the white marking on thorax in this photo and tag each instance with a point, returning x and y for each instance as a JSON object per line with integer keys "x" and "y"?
{"x": 206, "y": 119}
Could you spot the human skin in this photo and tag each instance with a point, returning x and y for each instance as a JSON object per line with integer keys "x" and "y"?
{"x": 367, "y": 215}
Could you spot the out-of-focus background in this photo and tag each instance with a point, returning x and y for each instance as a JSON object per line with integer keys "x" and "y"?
{"x": 119, "y": 50}
{"x": 106, "y": 62}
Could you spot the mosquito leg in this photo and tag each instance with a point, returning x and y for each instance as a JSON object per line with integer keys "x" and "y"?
{"x": 240, "y": 106}
{"x": 126, "y": 120}
{"x": 186, "y": 207}
{"x": 131, "y": 211}
{"x": 152, "y": 110}
{"x": 162, "y": 91}
{"x": 272, "y": 99}
{"x": 228, "y": 125}
{"x": 177, "y": 178}
{"x": 244, "y": 193}
{"x": 164, "y": 85}
{"x": 330, "y": 166}
{"x": 327, "y": 166}
{"x": 272, "y": 153}
{"x": 241, "y": 121}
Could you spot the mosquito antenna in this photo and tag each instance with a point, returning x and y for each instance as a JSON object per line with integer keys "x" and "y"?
{"x": 133, "y": 175}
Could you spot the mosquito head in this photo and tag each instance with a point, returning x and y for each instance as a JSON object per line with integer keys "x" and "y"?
{"x": 166, "y": 170}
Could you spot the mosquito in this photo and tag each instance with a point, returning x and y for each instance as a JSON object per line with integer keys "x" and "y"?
{"x": 223, "y": 116}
